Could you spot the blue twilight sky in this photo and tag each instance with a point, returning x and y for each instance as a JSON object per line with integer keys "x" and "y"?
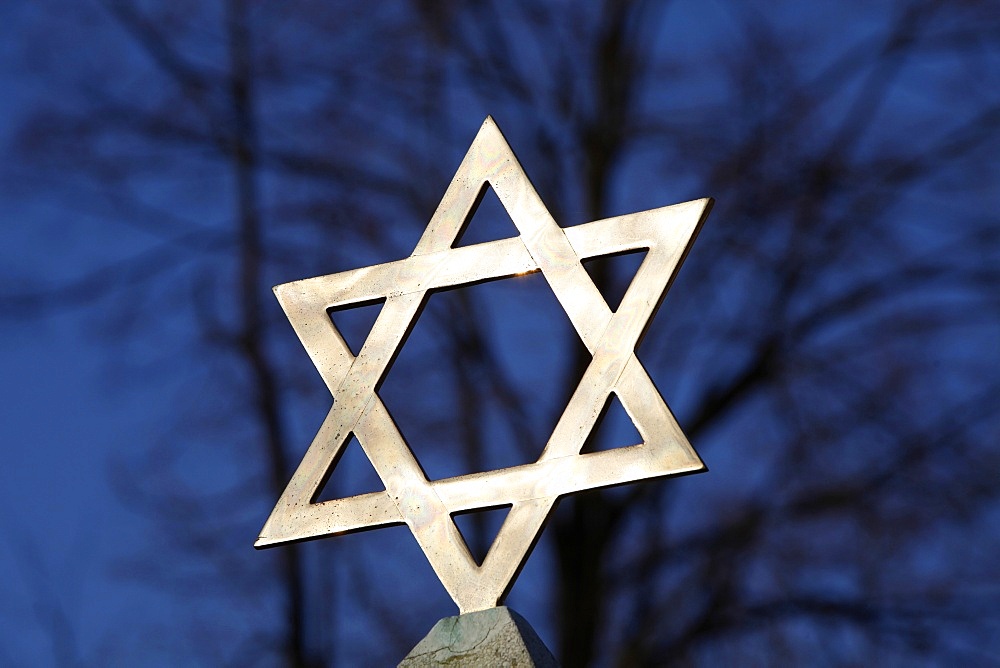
{"x": 95, "y": 391}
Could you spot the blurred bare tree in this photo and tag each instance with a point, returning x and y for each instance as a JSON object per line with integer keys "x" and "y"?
{"x": 830, "y": 348}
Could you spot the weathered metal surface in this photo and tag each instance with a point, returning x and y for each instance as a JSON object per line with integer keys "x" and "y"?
{"x": 531, "y": 490}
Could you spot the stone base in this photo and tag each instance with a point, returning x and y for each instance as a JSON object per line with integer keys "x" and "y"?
{"x": 496, "y": 637}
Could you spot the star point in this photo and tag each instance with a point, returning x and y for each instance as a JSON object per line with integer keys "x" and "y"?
{"x": 531, "y": 490}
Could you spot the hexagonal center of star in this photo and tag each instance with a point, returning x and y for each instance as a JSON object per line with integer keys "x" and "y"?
{"x": 484, "y": 375}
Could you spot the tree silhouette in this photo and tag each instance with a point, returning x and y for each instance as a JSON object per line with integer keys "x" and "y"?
{"x": 829, "y": 347}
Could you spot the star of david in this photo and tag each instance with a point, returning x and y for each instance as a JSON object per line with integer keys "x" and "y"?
{"x": 531, "y": 490}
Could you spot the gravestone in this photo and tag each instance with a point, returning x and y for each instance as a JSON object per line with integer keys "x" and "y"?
{"x": 493, "y": 637}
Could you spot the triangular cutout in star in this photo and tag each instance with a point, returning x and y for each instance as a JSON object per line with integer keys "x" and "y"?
{"x": 489, "y": 221}
{"x": 354, "y": 322}
{"x": 614, "y": 429}
{"x": 479, "y": 529}
{"x": 350, "y": 475}
{"x": 613, "y": 274}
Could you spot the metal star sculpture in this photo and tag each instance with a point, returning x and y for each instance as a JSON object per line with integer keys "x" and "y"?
{"x": 530, "y": 490}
